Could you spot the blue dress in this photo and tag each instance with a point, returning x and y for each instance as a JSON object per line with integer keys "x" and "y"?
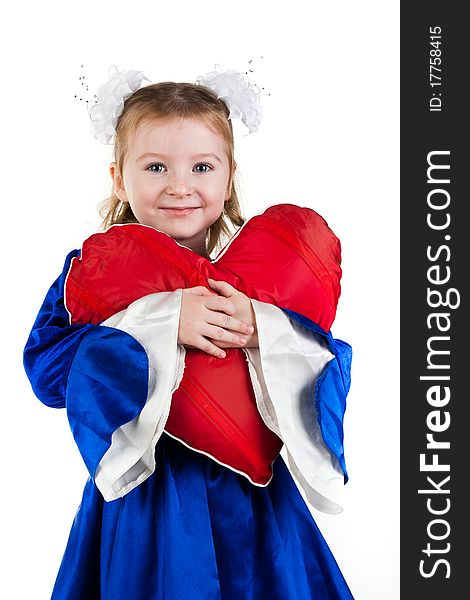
{"x": 194, "y": 529}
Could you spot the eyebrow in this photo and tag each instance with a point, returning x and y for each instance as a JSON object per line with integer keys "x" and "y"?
{"x": 201, "y": 155}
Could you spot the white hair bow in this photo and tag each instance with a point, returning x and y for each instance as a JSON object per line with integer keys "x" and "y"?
{"x": 231, "y": 86}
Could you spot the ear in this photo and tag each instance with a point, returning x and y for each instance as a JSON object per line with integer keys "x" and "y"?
{"x": 118, "y": 183}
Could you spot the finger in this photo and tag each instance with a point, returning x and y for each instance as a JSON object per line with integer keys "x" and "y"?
{"x": 207, "y": 346}
{"x": 199, "y": 290}
{"x": 228, "y": 322}
{"x": 220, "y": 334}
{"x": 221, "y": 304}
{"x": 223, "y": 287}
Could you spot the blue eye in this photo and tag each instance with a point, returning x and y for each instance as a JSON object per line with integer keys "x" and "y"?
{"x": 159, "y": 167}
{"x": 149, "y": 168}
{"x": 209, "y": 168}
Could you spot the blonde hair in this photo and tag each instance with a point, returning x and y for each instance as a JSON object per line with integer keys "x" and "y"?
{"x": 163, "y": 101}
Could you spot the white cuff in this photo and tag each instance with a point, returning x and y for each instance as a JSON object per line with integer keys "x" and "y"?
{"x": 284, "y": 370}
{"x": 153, "y": 321}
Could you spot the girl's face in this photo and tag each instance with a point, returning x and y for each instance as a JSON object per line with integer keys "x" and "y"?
{"x": 176, "y": 178}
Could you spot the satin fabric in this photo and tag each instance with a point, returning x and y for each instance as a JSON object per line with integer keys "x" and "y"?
{"x": 97, "y": 398}
{"x": 331, "y": 389}
{"x": 287, "y": 256}
{"x": 54, "y": 345}
{"x": 195, "y": 530}
{"x": 99, "y": 374}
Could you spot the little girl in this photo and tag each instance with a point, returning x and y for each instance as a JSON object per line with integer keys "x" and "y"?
{"x": 177, "y": 523}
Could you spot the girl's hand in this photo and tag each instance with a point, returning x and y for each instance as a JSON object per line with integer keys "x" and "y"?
{"x": 243, "y": 311}
{"x": 207, "y": 322}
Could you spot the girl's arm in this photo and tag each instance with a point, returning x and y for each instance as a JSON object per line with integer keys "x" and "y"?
{"x": 332, "y": 386}
{"x": 301, "y": 377}
{"x": 51, "y": 345}
{"x": 101, "y": 375}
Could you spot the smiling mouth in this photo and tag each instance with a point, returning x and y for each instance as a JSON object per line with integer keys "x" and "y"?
{"x": 180, "y": 211}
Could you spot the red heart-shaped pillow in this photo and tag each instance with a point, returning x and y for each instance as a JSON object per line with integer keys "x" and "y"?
{"x": 287, "y": 256}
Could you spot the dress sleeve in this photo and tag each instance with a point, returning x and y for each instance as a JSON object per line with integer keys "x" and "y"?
{"x": 105, "y": 377}
{"x": 301, "y": 378}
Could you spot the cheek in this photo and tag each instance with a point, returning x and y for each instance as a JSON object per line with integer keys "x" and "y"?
{"x": 219, "y": 187}
{"x": 143, "y": 192}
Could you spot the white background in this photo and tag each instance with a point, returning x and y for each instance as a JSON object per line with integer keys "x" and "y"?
{"x": 329, "y": 140}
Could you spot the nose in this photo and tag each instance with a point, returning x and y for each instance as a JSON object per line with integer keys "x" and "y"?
{"x": 179, "y": 185}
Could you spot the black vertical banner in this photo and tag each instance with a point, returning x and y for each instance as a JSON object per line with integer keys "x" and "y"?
{"x": 434, "y": 260}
